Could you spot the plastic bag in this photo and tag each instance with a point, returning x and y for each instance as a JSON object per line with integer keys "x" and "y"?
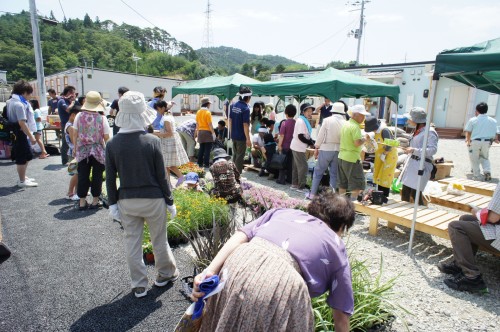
{"x": 396, "y": 186}
{"x": 432, "y": 188}
{"x": 455, "y": 189}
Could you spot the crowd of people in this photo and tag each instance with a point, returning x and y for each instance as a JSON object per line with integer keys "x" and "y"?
{"x": 148, "y": 132}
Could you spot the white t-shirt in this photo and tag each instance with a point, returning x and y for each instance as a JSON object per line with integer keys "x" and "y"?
{"x": 105, "y": 123}
{"x": 300, "y": 128}
{"x": 256, "y": 139}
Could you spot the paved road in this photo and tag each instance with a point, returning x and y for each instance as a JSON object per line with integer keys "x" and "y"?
{"x": 68, "y": 270}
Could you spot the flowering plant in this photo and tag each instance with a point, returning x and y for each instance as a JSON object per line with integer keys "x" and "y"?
{"x": 147, "y": 247}
{"x": 192, "y": 167}
{"x": 195, "y": 211}
{"x": 259, "y": 200}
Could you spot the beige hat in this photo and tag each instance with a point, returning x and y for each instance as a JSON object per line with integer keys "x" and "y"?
{"x": 94, "y": 102}
{"x": 134, "y": 112}
{"x": 205, "y": 100}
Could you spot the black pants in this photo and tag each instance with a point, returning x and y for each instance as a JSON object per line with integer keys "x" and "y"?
{"x": 204, "y": 154}
{"x": 408, "y": 195}
{"x": 285, "y": 175}
{"x": 64, "y": 147}
{"x": 84, "y": 168}
{"x": 385, "y": 190}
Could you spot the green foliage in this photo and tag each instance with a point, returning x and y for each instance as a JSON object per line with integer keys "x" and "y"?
{"x": 111, "y": 46}
{"x": 372, "y": 300}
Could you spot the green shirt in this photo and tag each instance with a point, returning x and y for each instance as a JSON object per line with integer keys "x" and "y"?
{"x": 348, "y": 135}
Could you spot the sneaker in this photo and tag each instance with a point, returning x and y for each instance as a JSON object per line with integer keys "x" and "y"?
{"x": 449, "y": 268}
{"x": 162, "y": 281}
{"x": 29, "y": 179}
{"x": 292, "y": 187}
{"x": 140, "y": 292}
{"x": 309, "y": 196}
{"x": 487, "y": 177}
{"x": 74, "y": 197}
{"x": 461, "y": 283}
{"x": 302, "y": 190}
{"x": 26, "y": 184}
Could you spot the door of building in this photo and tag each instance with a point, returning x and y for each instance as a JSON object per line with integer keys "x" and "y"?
{"x": 457, "y": 107}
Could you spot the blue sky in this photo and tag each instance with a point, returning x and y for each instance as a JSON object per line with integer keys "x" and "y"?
{"x": 312, "y": 32}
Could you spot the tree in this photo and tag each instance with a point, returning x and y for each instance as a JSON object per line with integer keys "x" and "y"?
{"x": 87, "y": 21}
{"x": 279, "y": 68}
{"x": 52, "y": 17}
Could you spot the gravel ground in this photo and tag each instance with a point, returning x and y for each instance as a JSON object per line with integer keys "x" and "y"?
{"x": 68, "y": 269}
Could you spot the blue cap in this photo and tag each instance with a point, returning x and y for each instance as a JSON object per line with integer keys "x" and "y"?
{"x": 191, "y": 178}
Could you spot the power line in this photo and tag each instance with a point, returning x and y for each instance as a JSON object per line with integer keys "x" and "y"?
{"x": 64, "y": 14}
{"x": 126, "y": 4}
{"x": 324, "y": 41}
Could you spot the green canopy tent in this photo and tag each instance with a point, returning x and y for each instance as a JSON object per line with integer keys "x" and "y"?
{"x": 331, "y": 83}
{"x": 220, "y": 86}
{"x": 477, "y": 66}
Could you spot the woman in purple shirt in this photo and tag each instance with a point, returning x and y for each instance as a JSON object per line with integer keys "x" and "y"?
{"x": 277, "y": 263}
{"x": 285, "y": 138}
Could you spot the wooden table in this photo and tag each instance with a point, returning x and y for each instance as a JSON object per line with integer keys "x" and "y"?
{"x": 471, "y": 186}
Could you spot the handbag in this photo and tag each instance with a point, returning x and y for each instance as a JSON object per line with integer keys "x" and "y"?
{"x": 72, "y": 167}
{"x": 278, "y": 161}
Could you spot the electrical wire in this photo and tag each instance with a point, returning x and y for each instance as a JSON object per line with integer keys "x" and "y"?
{"x": 126, "y": 4}
{"x": 62, "y": 9}
{"x": 341, "y": 46}
{"x": 324, "y": 41}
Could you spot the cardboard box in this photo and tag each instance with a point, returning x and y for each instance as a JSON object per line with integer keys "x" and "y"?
{"x": 53, "y": 121}
{"x": 443, "y": 170}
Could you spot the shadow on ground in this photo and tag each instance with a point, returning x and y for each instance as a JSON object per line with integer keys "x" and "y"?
{"x": 122, "y": 314}
{"x": 5, "y": 191}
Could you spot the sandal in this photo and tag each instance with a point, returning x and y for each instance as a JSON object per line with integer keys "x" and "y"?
{"x": 85, "y": 207}
{"x": 96, "y": 206}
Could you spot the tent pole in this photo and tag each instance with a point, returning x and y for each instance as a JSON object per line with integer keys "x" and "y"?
{"x": 430, "y": 109}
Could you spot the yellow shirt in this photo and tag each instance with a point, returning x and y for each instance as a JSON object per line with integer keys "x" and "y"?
{"x": 203, "y": 119}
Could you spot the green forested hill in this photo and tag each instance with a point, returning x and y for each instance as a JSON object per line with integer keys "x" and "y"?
{"x": 111, "y": 46}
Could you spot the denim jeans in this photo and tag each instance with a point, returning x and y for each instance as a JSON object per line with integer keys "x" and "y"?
{"x": 325, "y": 159}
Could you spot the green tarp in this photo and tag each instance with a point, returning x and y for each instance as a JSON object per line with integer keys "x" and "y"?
{"x": 331, "y": 83}
{"x": 477, "y": 66}
{"x": 220, "y": 86}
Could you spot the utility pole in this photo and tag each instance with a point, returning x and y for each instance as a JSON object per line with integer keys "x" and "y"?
{"x": 136, "y": 59}
{"x": 358, "y": 33}
{"x": 208, "y": 37}
{"x": 38, "y": 55}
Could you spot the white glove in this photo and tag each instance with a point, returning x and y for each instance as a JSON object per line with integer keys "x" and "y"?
{"x": 214, "y": 136}
{"x": 172, "y": 210}
{"x": 114, "y": 212}
{"x": 382, "y": 157}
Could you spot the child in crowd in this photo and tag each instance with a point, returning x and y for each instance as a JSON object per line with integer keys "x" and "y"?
{"x": 192, "y": 181}
{"x": 39, "y": 127}
{"x": 270, "y": 147}
{"x": 69, "y": 136}
{"x": 220, "y": 135}
{"x": 226, "y": 177}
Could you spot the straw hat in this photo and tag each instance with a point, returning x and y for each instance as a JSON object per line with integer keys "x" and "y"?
{"x": 93, "y": 102}
{"x": 134, "y": 112}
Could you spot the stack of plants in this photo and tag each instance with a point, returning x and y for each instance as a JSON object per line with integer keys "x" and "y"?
{"x": 192, "y": 167}
{"x": 195, "y": 211}
{"x": 261, "y": 199}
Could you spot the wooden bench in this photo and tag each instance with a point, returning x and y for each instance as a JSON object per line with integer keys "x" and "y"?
{"x": 471, "y": 186}
{"x": 430, "y": 221}
{"x": 460, "y": 202}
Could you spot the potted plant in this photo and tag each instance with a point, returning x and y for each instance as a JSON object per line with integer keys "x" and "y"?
{"x": 147, "y": 250}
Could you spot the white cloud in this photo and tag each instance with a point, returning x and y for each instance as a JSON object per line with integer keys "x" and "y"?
{"x": 385, "y": 18}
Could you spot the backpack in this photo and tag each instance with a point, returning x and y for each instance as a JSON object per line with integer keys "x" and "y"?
{"x": 6, "y": 128}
